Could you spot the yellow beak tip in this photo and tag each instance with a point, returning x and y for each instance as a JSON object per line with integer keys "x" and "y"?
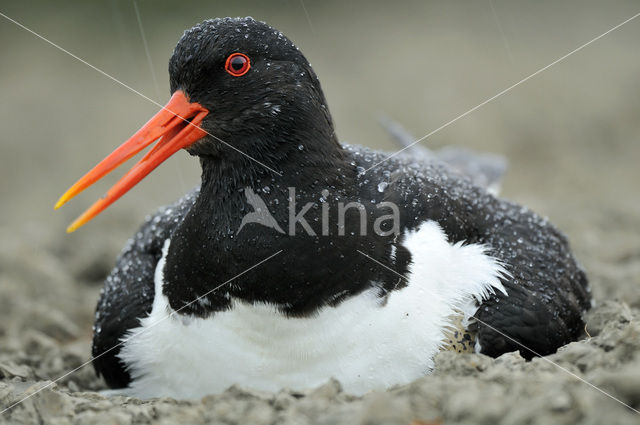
{"x": 60, "y": 203}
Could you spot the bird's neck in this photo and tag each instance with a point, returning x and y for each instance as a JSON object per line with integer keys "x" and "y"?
{"x": 210, "y": 245}
{"x": 296, "y": 163}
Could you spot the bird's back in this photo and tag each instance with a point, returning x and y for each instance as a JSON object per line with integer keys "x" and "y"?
{"x": 547, "y": 291}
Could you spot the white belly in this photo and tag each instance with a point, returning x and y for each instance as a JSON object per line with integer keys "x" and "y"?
{"x": 364, "y": 343}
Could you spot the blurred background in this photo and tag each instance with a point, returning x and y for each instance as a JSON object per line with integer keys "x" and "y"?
{"x": 571, "y": 134}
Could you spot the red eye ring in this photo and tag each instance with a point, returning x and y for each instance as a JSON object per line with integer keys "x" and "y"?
{"x": 237, "y": 64}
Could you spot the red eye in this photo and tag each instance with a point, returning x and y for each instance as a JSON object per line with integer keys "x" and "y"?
{"x": 237, "y": 64}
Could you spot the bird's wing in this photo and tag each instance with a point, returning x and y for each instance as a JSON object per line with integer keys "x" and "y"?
{"x": 548, "y": 292}
{"x": 128, "y": 292}
{"x": 484, "y": 169}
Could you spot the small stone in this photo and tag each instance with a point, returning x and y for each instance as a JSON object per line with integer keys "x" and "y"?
{"x": 327, "y": 391}
{"x": 560, "y": 402}
{"x": 385, "y": 409}
{"x": 9, "y": 369}
{"x": 283, "y": 400}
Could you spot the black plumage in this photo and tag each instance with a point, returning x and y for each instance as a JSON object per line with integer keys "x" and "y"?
{"x": 280, "y": 118}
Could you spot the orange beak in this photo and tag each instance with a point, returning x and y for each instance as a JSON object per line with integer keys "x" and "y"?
{"x": 177, "y": 125}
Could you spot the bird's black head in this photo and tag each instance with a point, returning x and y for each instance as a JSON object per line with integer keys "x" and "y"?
{"x": 262, "y": 94}
{"x": 244, "y": 99}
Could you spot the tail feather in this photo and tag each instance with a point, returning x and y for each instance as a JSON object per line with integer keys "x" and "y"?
{"x": 484, "y": 169}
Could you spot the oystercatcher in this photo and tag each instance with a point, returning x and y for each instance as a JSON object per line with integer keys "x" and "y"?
{"x": 294, "y": 261}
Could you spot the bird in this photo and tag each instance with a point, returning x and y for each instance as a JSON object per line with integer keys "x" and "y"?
{"x": 369, "y": 265}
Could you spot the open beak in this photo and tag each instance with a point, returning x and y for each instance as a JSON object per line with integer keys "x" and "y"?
{"x": 177, "y": 125}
